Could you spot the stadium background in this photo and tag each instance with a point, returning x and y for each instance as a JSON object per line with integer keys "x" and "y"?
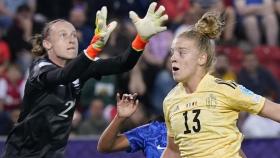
{"x": 248, "y": 52}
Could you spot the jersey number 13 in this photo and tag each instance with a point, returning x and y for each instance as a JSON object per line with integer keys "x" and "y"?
{"x": 196, "y": 127}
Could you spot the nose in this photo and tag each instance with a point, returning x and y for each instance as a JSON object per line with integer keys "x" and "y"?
{"x": 72, "y": 40}
{"x": 173, "y": 57}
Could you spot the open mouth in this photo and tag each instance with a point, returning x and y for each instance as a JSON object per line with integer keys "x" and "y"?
{"x": 175, "y": 68}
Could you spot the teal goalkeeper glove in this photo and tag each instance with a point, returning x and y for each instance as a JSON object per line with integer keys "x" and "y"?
{"x": 102, "y": 33}
{"x": 152, "y": 23}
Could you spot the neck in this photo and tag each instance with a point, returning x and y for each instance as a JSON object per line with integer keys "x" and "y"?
{"x": 57, "y": 60}
{"x": 192, "y": 83}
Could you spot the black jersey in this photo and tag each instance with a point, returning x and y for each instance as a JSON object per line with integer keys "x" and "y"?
{"x": 49, "y": 100}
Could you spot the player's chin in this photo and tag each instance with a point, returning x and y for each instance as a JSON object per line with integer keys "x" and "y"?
{"x": 176, "y": 78}
{"x": 71, "y": 55}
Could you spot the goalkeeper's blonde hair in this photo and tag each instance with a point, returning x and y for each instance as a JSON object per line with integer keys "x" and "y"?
{"x": 37, "y": 40}
{"x": 208, "y": 28}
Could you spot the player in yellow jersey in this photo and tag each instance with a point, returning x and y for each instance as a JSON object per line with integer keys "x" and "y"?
{"x": 201, "y": 111}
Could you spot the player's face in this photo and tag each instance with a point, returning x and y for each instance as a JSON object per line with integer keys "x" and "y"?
{"x": 63, "y": 40}
{"x": 184, "y": 58}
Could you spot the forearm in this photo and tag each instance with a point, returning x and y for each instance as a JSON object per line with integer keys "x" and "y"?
{"x": 116, "y": 65}
{"x": 119, "y": 64}
{"x": 271, "y": 110}
{"x": 69, "y": 73}
{"x": 108, "y": 139}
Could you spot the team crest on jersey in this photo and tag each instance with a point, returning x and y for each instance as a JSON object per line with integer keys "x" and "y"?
{"x": 211, "y": 101}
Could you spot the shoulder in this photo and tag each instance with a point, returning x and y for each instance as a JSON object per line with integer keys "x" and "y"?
{"x": 40, "y": 65}
{"x": 173, "y": 93}
{"x": 218, "y": 85}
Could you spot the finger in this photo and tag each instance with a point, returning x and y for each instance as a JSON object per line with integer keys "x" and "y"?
{"x": 130, "y": 97}
{"x": 112, "y": 26}
{"x": 135, "y": 105}
{"x": 97, "y": 22}
{"x": 133, "y": 16}
{"x": 152, "y": 8}
{"x": 118, "y": 97}
{"x": 104, "y": 13}
{"x": 160, "y": 11}
{"x": 123, "y": 96}
{"x": 134, "y": 96}
{"x": 160, "y": 29}
{"x": 163, "y": 18}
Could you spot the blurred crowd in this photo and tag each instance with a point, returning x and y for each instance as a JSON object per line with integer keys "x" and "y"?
{"x": 247, "y": 52}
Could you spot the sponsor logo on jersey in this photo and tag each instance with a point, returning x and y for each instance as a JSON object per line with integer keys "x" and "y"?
{"x": 160, "y": 147}
{"x": 191, "y": 104}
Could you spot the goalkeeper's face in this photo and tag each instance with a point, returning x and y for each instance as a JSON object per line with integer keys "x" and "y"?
{"x": 63, "y": 40}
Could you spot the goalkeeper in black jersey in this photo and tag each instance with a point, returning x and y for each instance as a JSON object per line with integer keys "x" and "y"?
{"x": 57, "y": 75}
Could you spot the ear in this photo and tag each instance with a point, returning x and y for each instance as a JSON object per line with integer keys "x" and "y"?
{"x": 202, "y": 60}
{"x": 47, "y": 45}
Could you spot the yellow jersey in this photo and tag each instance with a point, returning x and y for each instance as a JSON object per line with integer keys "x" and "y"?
{"x": 203, "y": 123}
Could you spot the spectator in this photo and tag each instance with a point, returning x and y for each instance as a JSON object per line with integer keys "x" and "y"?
{"x": 8, "y": 9}
{"x": 20, "y": 32}
{"x": 10, "y": 91}
{"x": 18, "y": 37}
{"x": 95, "y": 123}
{"x": 251, "y": 11}
{"x": 84, "y": 32}
{"x": 222, "y": 68}
{"x": 258, "y": 79}
{"x": 202, "y": 6}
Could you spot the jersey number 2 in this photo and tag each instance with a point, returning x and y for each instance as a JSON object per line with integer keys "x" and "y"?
{"x": 70, "y": 104}
{"x": 195, "y": 119}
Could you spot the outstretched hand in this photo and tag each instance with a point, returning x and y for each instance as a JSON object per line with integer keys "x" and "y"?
{"x": 126, "y": 105}
{"x": 152, "y": 23}
{"x": 102, "y": 32}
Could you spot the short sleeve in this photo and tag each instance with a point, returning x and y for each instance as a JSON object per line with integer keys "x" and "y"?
{"x": 167, "y": 120}
{"x": 136, "y": 141}
{"x": 243, "y": 99}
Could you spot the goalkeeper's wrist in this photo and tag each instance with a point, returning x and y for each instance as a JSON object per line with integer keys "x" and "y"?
{"x": 91, "y": 52}
{"x": 139, "y": 43}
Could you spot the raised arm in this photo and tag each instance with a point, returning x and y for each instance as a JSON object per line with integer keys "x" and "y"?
{"x": 75, "y": 68}
{"x": 172, "y": 149}
{"x": 111, "y": 140}
{"x": 150, "y": 25}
